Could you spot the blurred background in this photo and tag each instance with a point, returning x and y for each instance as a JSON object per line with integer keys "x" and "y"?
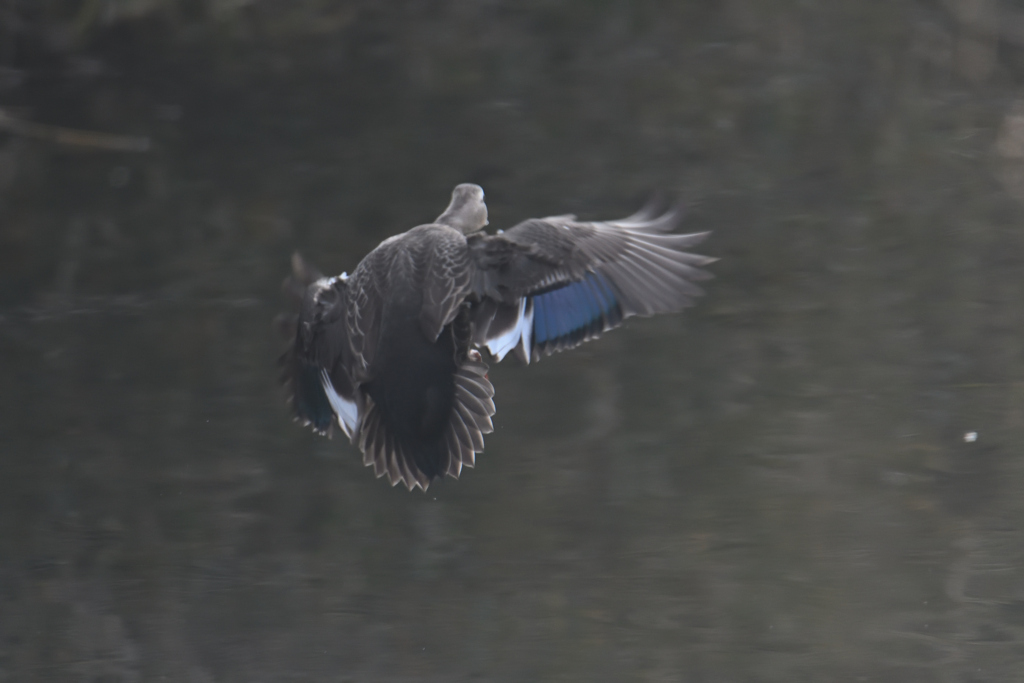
{"x": 816, "y": 474}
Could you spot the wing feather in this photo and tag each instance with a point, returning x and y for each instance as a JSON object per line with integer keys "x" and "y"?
{"x": 446, "y": 278}
{"x": 643, "y": 269}
{"x": 313, "y": 365}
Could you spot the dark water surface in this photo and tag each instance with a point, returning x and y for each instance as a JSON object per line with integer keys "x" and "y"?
{"x": 775, "y": 486}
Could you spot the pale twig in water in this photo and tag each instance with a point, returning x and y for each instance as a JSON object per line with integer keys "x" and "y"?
{"x": 72, "y": 136}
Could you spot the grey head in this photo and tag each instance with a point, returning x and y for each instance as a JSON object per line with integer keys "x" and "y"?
{"x": 467, "y": 212}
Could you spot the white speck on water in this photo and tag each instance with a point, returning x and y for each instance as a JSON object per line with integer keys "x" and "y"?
{"x": 970, "y": 437}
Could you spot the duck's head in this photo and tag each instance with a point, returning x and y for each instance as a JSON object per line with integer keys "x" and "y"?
{"x": 467, "y": 212}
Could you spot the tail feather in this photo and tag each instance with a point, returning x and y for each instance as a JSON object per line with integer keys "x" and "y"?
{"x": 476, "y": 437}
{"x": 455, "y": 464}
{"x": 415, "y": 463}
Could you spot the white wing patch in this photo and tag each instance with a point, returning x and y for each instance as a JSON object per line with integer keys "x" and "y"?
{"x": 526, "y": 340}
{"x": 520, "y": 334}
{"x": 346, "y": 410}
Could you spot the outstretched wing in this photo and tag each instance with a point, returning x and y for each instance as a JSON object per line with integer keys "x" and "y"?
{"x": 552, "y": 283}
{"x": 313, "y": 368}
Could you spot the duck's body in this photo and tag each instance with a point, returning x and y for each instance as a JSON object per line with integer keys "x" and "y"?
{"x": 392, "y": 352}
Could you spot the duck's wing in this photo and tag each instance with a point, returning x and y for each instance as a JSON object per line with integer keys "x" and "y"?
{"x": 552, "y": 283}
{"x": 314, "y": 364}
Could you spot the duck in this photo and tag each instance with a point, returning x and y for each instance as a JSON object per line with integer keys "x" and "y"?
{"x": 394, "y": 356}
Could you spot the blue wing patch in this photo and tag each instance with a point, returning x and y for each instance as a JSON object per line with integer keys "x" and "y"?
{"x": 575, "y": 311}
{"x": 310, "y": 401}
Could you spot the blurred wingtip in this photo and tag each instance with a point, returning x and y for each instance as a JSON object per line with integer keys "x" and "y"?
{"x": 654, "y": 207}
{"x": 303, "y": 274}
{"x": 303, "y": 271}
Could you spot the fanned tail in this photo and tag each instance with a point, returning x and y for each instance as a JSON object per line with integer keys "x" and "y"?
{"x": 415, "y": 464}
{"x": 471, "y": 416}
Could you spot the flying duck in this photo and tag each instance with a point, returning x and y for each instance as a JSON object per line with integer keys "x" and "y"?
{"x": 393, "y": 354}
